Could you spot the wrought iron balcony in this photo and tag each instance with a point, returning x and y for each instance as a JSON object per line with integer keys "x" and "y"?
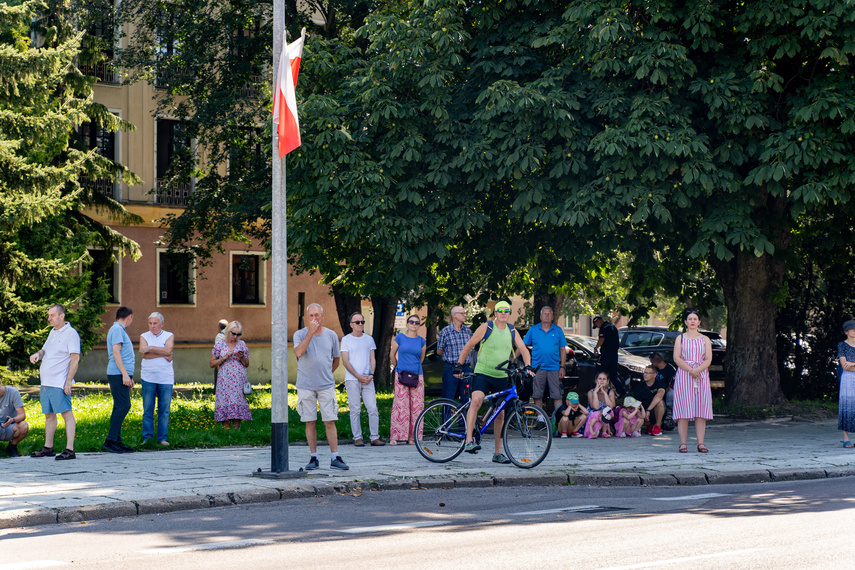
{"x": 176, "y": 196}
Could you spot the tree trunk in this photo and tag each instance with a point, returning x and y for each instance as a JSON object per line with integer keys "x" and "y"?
{"x": 384, "y": 329}
{"x": 345, "y": 305}
{"x": 552, "y": 300}
{"x": 751, "y": 367}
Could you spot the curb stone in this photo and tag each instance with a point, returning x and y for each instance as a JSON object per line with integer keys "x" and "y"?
{"x": 797, "y": 474}
{"x": 92, "y": 512}
{"x": 42, "y": 516}
{"x": 739, "y": 477}
{"x": 690, "y": 479}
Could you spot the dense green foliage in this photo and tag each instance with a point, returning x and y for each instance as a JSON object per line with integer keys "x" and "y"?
{"x": 453, "y": 148}
{"x": 44, "y": 231}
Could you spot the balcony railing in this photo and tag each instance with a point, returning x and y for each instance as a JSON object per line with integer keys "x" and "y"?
{"x": 103, "y": 71}
{"x": 176, "y": 196}
{"x": 106, "y": 186}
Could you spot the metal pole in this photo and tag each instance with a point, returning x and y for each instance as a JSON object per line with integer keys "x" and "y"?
{"x": 279, "y": 245}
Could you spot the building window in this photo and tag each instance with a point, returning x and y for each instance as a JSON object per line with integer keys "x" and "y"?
{"x": 174, "y": 152}
{"x": 248, "y": 286}
{"x": 176, "y": 279}
{"x": 569, "y": 322}
{"x": 98, "y": 17}
{"x": 106, "y": 268}
{"x": 301, "y": 310}
{"x": 97, "y": 138}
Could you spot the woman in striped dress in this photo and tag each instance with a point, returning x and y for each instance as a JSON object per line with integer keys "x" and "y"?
{"x": 692, "y": 395}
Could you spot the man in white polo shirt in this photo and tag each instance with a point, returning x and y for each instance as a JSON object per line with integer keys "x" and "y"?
{"x": 60, "y": 356}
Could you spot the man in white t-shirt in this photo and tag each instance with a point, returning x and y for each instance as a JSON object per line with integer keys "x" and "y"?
{"x": 357, "y": 356}
{"x": 60, "y": 356}
{"x": 157, "y": 377}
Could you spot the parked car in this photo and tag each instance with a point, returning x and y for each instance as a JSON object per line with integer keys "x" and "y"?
{"x": 630, "y": 367}
{"x": 579, "y": 367}
{"x": 645, "y": 340}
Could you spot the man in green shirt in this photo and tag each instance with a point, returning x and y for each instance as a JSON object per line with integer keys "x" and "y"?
{"x": 498, "y": 347}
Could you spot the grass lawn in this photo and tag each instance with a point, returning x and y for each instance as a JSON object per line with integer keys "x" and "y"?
{"x": 191, "y": 420}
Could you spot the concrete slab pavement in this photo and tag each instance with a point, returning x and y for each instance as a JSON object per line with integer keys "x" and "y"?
{"x": 103, "y": 485}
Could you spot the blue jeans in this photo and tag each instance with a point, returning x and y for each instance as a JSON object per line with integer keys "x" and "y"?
{"x": 163, "y": 393}
{"x": 454, "y": 388}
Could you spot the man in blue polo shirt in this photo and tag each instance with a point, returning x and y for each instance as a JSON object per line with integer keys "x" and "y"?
{"x": 547, "y": 344}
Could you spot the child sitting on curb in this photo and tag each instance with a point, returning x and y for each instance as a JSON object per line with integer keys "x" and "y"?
{"x": 630, "y": 418}
{"x": 571, "y": 416}
{"x": 598, "y": 423}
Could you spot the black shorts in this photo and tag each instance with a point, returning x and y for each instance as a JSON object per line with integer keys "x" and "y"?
{"x": 488, "y": 384}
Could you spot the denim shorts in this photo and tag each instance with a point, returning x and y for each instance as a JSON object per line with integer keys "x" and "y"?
{"x": 54, "y": 400}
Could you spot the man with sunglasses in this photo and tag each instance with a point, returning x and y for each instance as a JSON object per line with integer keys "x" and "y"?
{"x": 498, "y": 347}
{"x": 318, "y": 355}
{"x": 357, "y": 356}
{"x": 451, "y": 341}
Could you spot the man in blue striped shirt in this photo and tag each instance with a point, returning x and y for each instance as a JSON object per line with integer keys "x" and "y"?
{"x": 451, "y": 341}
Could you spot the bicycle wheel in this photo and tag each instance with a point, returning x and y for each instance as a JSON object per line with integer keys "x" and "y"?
{"x": 443, "y": 428}
{"x": 527, "y": 435}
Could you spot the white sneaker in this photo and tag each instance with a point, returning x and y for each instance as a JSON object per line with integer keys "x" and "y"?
{"x": 636, "y": 433}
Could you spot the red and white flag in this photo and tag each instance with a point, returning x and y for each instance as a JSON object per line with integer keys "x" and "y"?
{"x": 285, "y": 96}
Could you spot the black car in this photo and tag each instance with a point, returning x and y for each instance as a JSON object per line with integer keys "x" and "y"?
{"x": 645, "y": 340}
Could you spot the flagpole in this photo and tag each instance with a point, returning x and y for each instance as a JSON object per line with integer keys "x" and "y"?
{"x": 279, "y": 274}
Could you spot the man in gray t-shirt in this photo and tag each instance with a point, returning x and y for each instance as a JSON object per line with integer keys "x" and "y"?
{"x": 13, "y": 419}
{"x": 318, "y": 356}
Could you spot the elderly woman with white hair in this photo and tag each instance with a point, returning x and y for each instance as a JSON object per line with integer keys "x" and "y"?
{"x": 232, "y": 357}
{"x": 157, "y": 377}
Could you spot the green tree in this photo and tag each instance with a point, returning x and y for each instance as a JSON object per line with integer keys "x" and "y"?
{"x": 45, "y": 230}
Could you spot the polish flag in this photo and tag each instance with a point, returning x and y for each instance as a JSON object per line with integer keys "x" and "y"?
{"x": 285, "y": 96}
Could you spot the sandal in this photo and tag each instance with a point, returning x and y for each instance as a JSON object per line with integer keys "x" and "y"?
{"x": 67, "y": 454}
{"x": 393, "y": 442}
{"x": 847, "y": 444}
{"x": 43, "y": 452}
{"x": 683, "y": 448}
{"x": 702, "y": 448}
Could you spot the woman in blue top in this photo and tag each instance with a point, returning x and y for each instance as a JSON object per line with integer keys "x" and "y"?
{"x": 408, "y": 353}
{"x": 846, "y": 403}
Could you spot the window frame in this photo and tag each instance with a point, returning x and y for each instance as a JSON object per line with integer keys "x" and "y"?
{"x": 262, "y": 278}
{"x": 192, "y": 296}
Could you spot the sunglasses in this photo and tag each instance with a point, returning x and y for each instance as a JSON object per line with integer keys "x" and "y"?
{"x": 413, "y": 323}
{"x": 236, "y": 334}
{"x": 692, "y": 312}
{"x": 358, "y": 322}
{"x": 503, "y": 311}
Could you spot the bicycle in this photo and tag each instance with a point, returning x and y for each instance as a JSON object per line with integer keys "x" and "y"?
{"x": 526, "y": 434}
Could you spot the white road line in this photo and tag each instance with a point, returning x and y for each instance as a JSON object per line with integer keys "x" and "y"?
{"x": 693, "y": 497}
{"x": 561, "y": 510}
{"x": 33, "y": 564}
{"x": 207, "y": 546}
{"x": 388, "y": 527}
{"x": 685, "y": 559}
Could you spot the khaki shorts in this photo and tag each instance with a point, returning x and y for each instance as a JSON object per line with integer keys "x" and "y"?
{"x": 308, "y": 402}
{"x": 556, "y": 387}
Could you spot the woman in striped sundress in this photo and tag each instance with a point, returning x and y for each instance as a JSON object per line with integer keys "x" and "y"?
{"x": 692, "y": 395}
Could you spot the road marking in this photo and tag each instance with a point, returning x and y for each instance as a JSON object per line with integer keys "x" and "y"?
{"x": 686, "y": 559}
{"x": 207, "y": 546}
{"x": 33, "y": 564}
{"x": 388, "y": 527}
{"x": 693, "y": 497}
{"x": 561, "y": 510}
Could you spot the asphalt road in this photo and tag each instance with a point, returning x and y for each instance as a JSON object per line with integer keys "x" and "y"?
{"x": 802, "y": 524}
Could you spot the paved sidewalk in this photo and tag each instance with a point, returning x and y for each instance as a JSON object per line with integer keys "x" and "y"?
{"x": 103, "y": 485}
